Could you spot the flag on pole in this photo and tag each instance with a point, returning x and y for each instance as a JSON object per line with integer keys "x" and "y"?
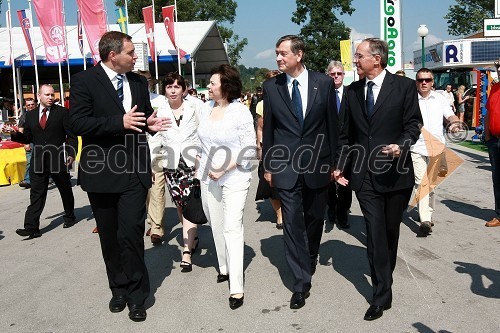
{"x": 80, "y": 31}
{"x": 25, "y": 19}
{"x": 50, "y": 18}
{"x": 94, "y": 21}
{"x": 147, "y": 13}
{"x": 345, "y": 54}
{"x": 8, "y": 56}
{"x": 121, "y": 19}
{"x": 168, "y": 21}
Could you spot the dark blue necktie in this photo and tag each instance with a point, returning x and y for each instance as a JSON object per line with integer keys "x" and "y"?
{"x": 370, "y": 101}
{"x": 119, "y": 86}
{"x": 297, "y": 103}
{"x": 338, "y": 100}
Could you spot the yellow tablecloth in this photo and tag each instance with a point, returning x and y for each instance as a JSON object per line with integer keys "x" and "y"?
{"x": 12, "y": 165}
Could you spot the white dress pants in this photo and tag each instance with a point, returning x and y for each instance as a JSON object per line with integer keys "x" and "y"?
{"x": 426, "y": 170}
{"x": 223, "y": 206}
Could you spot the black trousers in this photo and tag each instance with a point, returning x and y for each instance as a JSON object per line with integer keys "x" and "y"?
{"x": 38, "y": 196}
{"x": 303, "y": 210}
{"x": 383, "y": 213}
{"x": 120, "y": 220}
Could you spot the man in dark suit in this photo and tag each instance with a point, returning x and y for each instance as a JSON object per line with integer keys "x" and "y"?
{"x": 48, "y": 130}
{"x": 300, "y": 140}
{"x": 339, "y": 197}
{"x": 383, "y": 121}
{"x": 110, "y": 109}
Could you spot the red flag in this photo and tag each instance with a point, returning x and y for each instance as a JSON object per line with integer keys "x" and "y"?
{"x": 25, "y": 19}
{"x": 168, "y": 20}
{"x": 147, "y": 12}
{"x": 94, "y": 21}
{"x": 50, "y": 17}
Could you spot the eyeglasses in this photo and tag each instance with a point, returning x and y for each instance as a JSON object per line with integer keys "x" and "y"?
{"x": 426, "y": 80}
{"x": 336, "y": 74}
{"x": 360, "y": 56}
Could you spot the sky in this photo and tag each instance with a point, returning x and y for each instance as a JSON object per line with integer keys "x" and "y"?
{"x": 263, "y": 22}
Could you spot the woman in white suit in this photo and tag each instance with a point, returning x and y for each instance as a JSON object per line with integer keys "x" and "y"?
{"x": 227, "y": 138}
{"x": 180, "y": 146}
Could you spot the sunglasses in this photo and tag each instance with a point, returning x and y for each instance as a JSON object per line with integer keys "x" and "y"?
{"x": 426, "y": 80}
{"x": 336, "y": 74}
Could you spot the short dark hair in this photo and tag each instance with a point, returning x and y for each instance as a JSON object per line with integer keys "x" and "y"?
{"x": 28, "y": 99}
{"x": 424, "y": 70}
{"x": 170, "y": 78}
{"x": 296, "y": 45}
{"x": 379, "y": 47}
{"x": 230, "y": 81}
{"x": 111, "y": 41}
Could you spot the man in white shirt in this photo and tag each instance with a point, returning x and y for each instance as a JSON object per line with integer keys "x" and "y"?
{"x": 426, "y": 153}
{"x": 448, "y": 94}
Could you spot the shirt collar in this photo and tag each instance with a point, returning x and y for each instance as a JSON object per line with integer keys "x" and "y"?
{"x": 302, "y": 78}
{"x": 109, "y": 72}
{"x": 431, "y": 95}
{"x": 378, "y": 80}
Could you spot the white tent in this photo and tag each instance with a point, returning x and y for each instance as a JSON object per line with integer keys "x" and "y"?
{"x": 200, "y": 39}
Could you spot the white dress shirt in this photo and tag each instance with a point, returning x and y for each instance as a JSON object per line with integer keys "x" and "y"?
{"x": 303, "y": 86}
{"x": 378, "y": 80}
{"x": 40, "y": 113}
{"x": 127, "y": 95}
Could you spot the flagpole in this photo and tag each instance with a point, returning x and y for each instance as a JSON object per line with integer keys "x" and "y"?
{"x": 126, "y": 11}
{"x": 32, "y": 29}
{"x": 14, "y": 81}
{"x": 156, "y": 55}
{"x": 67, "y": 48}
{"x": 61, "y": 88}
{"x": 177, "y": 40}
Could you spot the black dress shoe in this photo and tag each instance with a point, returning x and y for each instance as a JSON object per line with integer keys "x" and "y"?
{"x": 28, "y": 233}
{"x": 118, "y": 303}
{"x": 344, "y": 224}
{"x": 222, "y": 277}
{"x": 235, "y": 303}
{"x": 331, "y": 215}
{"x": 137, "y": 312}
{"x": 69, "y": 224}
{"x": 374, "y": 312}
{"x": 298, "y": 299}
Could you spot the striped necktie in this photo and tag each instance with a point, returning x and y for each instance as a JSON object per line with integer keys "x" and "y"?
{"x": 119, "y": 86}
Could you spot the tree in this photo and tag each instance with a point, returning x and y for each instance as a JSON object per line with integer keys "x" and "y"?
{"x": 196, "y": 10}
{"x": 467, "y": 16}
{"x": 323, "y": 29}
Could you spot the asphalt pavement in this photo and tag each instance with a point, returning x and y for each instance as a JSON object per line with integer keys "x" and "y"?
{"x": 446, "y": 282}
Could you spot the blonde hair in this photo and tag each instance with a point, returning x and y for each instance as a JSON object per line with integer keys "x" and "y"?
{"x": 461, "y": 89}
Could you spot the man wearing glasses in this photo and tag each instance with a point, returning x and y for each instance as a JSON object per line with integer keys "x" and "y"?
{"x": 383, "y": 121}
{"x": 339, "y": 197}
{"x": 426, "y": 153}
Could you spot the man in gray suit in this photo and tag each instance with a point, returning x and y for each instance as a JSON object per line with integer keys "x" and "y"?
{"x": 300, "y": 139}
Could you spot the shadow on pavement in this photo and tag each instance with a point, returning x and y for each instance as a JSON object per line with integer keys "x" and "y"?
{"x": 1, "y": 235}
{"x": 350, "y": 261}
{"x": 468, "y": 209}
{"x": 273, "y": 249}
{"x": 266, "y": 211}
{"x": 421, "y": 328}
{"x": 478, "y": 273}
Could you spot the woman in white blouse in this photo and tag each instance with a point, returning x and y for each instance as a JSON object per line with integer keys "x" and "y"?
{"x": 180, "y": 146}
{"x": 227, "y": 137}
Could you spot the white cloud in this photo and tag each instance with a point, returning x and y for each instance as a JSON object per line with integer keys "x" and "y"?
{"x": 428, "y": 41}
{"x": 356, "y": 35}
{"x": 266, "y": 54}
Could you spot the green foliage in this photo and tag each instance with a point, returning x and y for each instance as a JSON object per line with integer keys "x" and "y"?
{"x": 196, "y": 10}
{"x": 259, "y": 75}
{"x": 467, "y": 16}
{"x": 322, "y": 30}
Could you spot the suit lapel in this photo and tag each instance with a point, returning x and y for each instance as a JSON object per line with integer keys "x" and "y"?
{"x": 283, "y": 91}
{"x": 311, "y": 94}
{"x": 360, "y": 93}
{"x": 103, "y": 78}
{"x": 385, "y": 91}
{"x": 133, "y": 89}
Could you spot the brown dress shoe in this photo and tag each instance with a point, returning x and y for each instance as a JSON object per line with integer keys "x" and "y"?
{"x": 493, "y": 223}
{"x": 156, "y": 239}
{"x": 95, "y": 230}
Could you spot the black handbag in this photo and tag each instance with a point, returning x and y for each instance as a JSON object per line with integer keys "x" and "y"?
{"x": 193, "y": 209}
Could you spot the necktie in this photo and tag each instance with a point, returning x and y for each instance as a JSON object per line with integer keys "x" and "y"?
{"x": 119, "y": 86}
{"x": 297, "y": 102}
{"x": 370, "y": 101}
{"x": 43, "y": 119}
{"x": 338, "y": 100}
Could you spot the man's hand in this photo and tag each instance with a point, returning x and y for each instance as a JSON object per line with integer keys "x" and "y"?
{"x": 269, "y": 178}
{"x": 69, "y": 160}
{"x": 157, "y": 124}
{"x": 339, "y": 178}
{"x": 27, "y": 147}
{"x": 133, "y": 120}
{"x": 392, "y": 150}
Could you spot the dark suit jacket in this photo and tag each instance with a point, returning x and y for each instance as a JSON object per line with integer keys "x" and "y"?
{"x": 396, "y": 119}
{"x": 284, "y": 139}
{"x": 342, "y": 112}
{"x": 48, "y": 154}
{"x": 109, "y": 152}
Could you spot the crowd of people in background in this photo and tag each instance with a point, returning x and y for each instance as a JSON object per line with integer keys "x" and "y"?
{"x": 179, "y": 140}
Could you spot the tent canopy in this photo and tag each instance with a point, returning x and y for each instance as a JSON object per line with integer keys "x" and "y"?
{"x": 201, "y": 41}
